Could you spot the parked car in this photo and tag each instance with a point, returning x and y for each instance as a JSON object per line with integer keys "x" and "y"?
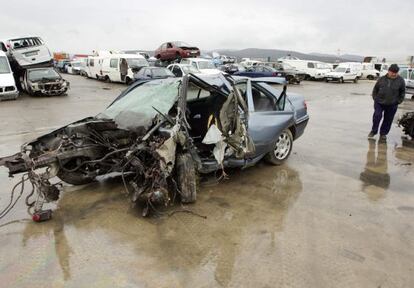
{"x": 27, "y": 52}
{"x": 205, "y": 66}
{"x": 176, "y": 51}
{"x": 61, "y": 65}
{"x": 112, "y": 66}
{"x": 148, "y": 73}
{"x": 260, "y": 71}
{"x": 231, "y": 68}
{"x": 43, "y": 81}
{"x": 74, "y": 67}
{"x": 159, "y": 135}
{"x": 345, "y": 72}
{"x": 180, "y": 70}
{"x": 8, "y": 88}
{"x": 407, "y": 73}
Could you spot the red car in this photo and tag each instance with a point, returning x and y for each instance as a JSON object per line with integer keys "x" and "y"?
{"x": 176, "y": 51}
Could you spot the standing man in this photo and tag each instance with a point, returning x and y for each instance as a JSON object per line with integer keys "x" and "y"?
{"x": 123, "y": 67}
{"x": 388, "y": 92}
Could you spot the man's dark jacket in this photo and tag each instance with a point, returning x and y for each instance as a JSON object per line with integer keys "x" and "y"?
{"x": 389, "y": 91}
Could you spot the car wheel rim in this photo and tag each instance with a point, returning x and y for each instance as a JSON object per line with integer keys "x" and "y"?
{"x": 283, "y": 146}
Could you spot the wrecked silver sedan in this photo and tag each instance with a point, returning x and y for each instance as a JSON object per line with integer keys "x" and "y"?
{"x": 159, "y": 135}
{"x": 43, "y": 81}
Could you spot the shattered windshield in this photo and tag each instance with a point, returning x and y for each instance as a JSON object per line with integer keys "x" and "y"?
{"x": 206, "y": 65}
{"x": 36, "y": 75}
{"x": 4, "y": 66}
{"x": 135, "y": 109}
{"x": 136, "y": 62}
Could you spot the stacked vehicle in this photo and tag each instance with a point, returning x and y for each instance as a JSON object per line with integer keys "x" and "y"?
{"x": 30, "y": 54}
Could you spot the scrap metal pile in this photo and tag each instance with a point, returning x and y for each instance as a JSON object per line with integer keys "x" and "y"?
{"x": 407, "y": 122}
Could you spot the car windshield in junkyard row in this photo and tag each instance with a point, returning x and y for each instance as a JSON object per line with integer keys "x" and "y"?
{"x": 39, "y": 74}
{"x": 4, "y": 66}
{"x": 139, "y": 106}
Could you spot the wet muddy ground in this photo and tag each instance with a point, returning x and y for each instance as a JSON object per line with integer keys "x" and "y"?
{"x": 339, "y": 213}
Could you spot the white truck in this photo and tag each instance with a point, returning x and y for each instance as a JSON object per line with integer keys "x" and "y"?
{"x": 111, "y": 67}
{"x": 347, "y": 71}
{"x": 314, "y": 70}
{"x": 369, "y": 72}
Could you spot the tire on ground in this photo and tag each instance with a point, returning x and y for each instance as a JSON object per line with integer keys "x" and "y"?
{"x": 186, "y": 177}
{"x": 271, "y": 157}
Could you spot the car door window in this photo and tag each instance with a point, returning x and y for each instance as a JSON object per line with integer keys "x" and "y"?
{"x": 177, "y": 71}
{"x": 311, "y": 65}
{"x": 113, "y": 63}
{"x": 261, "y": 100}
{"x": 411, "y": 74}
{"x": 404, "y": 73}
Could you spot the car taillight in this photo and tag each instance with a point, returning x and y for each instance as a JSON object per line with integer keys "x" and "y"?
{"x": 305, "y": 104}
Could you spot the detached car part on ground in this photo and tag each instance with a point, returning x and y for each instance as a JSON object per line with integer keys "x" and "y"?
{"x": 160, "y": 134}
{"x": 407, "y": 122}
{"x": 43, "y": 81}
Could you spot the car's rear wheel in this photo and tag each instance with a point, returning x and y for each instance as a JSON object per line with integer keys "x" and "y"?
{"x": 370, "y": 77}
{"x": 356, "y": 80}
{"x": 341, "y": 80}
{"x": 282, "y": 148}
{"x": 78, "y": 177}
{"x": 186, "y": 177}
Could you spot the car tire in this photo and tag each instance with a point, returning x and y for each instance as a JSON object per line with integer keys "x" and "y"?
{"x": 74, "y": 178}
{"x": 281, "y": 148}
{"x": 341, "y": 80}
{"x": 356, "y": 80}
{"x": 186, "y": 176}
{"x": 107, "y": 79}
{"x": 370, "y": 77}
{"x": 128, "y": 80}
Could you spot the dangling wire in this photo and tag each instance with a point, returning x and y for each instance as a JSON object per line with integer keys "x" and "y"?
{"x": 13, "y": 201}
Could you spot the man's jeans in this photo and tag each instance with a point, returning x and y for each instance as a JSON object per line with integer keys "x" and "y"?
{"x": 389, "y": 113}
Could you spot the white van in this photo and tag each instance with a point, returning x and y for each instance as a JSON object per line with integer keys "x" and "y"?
{"x": 205, "y": 66}
{"x": 111, "y": 67}
{"x": 27, "y": 52}
{"x": 8, "y": 89}
{"x": 369, "y": 72}
{"x": 347, "y": 71}
{"x": 312, "y": 69}
{"x": 93, "y": 67}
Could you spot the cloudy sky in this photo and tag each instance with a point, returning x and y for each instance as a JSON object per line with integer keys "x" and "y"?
{"x": 378, "y": 28}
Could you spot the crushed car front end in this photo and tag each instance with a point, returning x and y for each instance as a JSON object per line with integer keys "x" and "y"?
{"x": 144, "y": 136}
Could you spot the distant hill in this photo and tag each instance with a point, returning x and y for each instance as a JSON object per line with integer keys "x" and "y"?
{"x": 274, "y": 54}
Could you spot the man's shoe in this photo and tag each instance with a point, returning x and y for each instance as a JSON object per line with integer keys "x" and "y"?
{"x": 371, "y": 135}
{"x": 383, "y": 138}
